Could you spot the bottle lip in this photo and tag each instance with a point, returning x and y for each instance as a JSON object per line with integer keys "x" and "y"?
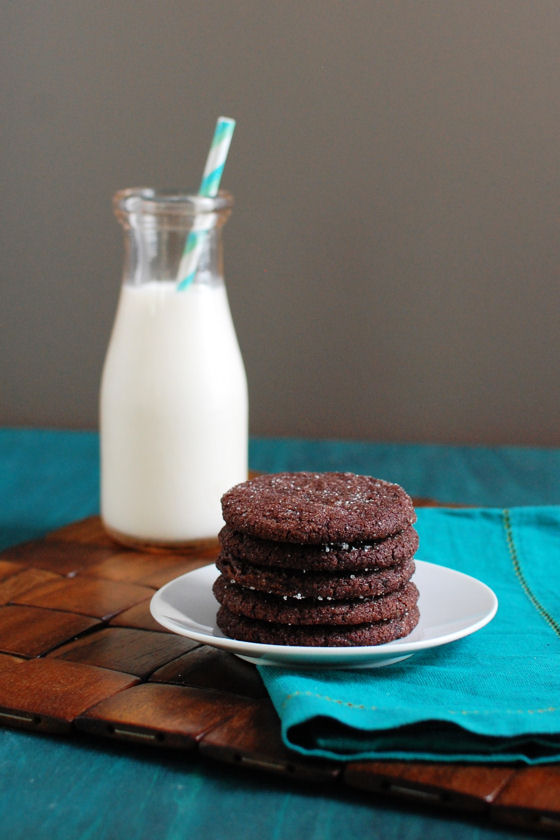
{"x": 165, "y": 202}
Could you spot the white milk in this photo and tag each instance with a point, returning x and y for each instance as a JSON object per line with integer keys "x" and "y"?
{"x": 173, "y": 413}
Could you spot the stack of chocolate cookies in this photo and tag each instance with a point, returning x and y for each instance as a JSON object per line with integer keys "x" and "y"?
{"x": 322, "y": 559}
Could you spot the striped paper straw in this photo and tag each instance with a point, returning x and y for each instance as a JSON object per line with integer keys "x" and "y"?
{"x": 209, "y": 186}
{"x": 217, "y": 157}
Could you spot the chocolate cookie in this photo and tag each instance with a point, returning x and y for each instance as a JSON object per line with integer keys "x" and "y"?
{"x": 286, "y": 610}
{"x": 239, "y": 627}
{"x": 307, "y": 507}
{"x": 332, "y": 557}
{"x": 303, "y": 584}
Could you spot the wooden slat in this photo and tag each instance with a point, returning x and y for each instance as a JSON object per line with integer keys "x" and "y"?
{"x": 138, "y": 652}
{"x": 160, "y": 715}
{"x": 206, "y": 667}
{"x": 48, "y": 694}
{"x": 59, "y": 556}
{"x": 7, "y": 661}
{"x": 138, "y": 616}
{"x": 531, "y": 800}
{"x": 252, "y": 739}
{"x": 151, "y": 570}
{"x": 32, "y": 631}
{"x": 161, "y": 576}
{"x": 471, "y": 787}
{"x": 20, "y": 583}
{"x": 86, "y": 595}
{"x": 88, "y": 531}
{"x": 132, "y": 566}
{"x": 8, "y": 567}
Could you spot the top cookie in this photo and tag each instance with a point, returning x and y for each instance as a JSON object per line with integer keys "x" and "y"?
{"x": 305, "y": 507}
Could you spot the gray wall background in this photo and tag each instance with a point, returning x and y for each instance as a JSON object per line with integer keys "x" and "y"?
{"x": 392, "y": 261}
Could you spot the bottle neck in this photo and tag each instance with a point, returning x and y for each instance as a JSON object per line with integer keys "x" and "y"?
{"x": 157, "y": 227}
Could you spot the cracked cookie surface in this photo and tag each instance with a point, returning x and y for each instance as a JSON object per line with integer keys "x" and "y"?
{"x": 306, "y": 507}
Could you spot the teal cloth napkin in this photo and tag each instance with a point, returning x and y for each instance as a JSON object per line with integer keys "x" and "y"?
{"x": 493, "y": 696}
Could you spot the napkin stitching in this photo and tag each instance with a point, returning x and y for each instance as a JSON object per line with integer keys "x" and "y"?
{"x": 516, "y": 560}
{"x": 362, "y": 708}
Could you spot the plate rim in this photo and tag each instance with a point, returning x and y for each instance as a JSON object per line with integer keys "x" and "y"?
{"x": 294, "y": 655}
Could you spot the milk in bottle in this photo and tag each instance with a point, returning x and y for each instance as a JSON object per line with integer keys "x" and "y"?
{"x": 173, "y": 406}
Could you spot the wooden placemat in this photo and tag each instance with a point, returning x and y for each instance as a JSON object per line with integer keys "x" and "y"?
{"x": 79, "y": 651}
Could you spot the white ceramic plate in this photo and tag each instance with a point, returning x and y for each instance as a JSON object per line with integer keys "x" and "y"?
{"x": 452, "y": 605}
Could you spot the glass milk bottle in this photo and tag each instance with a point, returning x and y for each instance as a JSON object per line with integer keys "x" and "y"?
{"x": 173, "y": 405}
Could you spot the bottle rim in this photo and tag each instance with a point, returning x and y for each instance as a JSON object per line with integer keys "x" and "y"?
{"x": 151, "y": 201}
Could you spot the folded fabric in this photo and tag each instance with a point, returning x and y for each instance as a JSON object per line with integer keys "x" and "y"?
{"x": 493, "y": 696}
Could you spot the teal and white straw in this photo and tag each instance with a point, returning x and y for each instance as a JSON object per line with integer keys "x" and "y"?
{"x": 209, "y": 187}
{"x": 190, "y": 258}
{"x": 217, "y": 157}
